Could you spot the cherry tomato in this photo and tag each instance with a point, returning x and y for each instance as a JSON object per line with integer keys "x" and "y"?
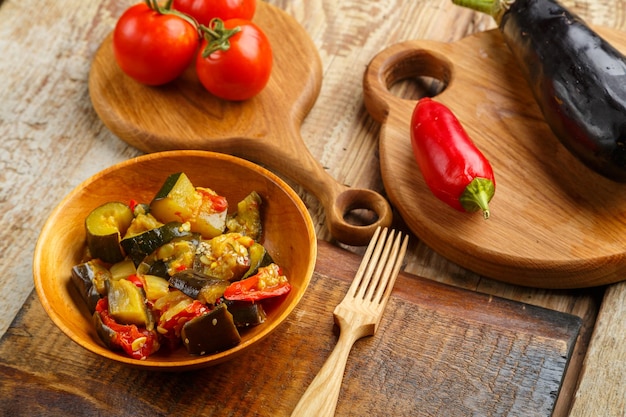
{"x": 205, "y": 10}
{"x": 151, "y": 47}
{"x": 241, "y": 71}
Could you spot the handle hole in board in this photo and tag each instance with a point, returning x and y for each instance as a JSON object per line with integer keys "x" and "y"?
{"x": 417, "y": 74}
{"x": 360, "y": 217}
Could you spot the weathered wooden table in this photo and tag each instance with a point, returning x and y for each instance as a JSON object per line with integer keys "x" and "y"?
{"x": 455, "y": 343}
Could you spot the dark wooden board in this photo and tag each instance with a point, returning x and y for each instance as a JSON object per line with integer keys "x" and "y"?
{"x": 439, "y": 351}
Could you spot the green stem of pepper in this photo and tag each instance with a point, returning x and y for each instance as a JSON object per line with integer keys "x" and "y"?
{"x": 494, "y": 8}
{"x": 217, "y": 36}
{"x": 477, "y": 196}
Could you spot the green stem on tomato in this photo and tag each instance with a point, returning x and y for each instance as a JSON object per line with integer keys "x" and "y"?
{"x": 217, "y": 36}
{"x": 477, "y": 195}
{"x": 494, "y": 8}
{"x": 167, "y": 9}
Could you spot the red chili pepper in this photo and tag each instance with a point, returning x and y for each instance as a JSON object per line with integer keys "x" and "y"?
{"x": 268, "y": 282}
{"x": 453, "y": 167}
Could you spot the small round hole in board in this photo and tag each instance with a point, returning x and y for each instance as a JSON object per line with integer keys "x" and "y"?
{"x": 360, "y": 217}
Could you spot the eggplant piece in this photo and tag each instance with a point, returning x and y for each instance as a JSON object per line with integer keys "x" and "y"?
{"x": 199, "y": 286}
{"x": 247, "y": 219}
{"x": 105, "y": 333}
{"x": 211, "y": 332}
{"x": 246, "y": 314}
{"x": 577, "y": 78}
{"x": 90, "y": 278}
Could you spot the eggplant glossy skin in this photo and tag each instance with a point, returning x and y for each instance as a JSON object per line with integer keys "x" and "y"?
{"x": 578, "y": 79}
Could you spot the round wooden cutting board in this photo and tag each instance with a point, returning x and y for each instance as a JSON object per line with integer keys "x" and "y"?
{"x": 554, "y": 223}
{"x": 264, "y": 129}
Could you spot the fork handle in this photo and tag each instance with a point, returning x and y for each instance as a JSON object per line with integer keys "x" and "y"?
{"x": 320, "y": 398}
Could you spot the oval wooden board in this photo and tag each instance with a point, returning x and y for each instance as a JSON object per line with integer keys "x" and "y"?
{"x": 554, "y": 223}
{"x": 265, "y": 129}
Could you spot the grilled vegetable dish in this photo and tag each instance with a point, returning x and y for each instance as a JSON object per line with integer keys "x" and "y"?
{"x": 578, "y": 79}
{"x": 179, "y": 270}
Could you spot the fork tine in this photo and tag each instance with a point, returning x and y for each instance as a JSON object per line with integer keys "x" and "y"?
{"x": 365, "y": 264}
{"x": 365, "y": 290}
{"x": 392, "y": 267}
{"x": 379, "y": 264}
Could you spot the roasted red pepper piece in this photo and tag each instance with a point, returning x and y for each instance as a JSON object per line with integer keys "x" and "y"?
{"x": 454, "y": 169}
{"x": 138, "y": 343}
{"x": 268, "y": 282}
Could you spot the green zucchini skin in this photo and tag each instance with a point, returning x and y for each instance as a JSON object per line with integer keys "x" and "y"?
{"x": 578, "y": 79}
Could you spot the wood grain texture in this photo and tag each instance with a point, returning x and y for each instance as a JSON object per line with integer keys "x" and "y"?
{"x": 605, "y": 361}
{"x": 555, "y": 223}
{"x": 438, "y": 351}
{"x": 52, "y": 139}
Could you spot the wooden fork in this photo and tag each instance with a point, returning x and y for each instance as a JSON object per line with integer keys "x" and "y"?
{"x": 357, "y": 316}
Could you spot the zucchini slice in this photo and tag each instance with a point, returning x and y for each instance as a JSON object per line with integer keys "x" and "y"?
{"x": 179, "y": 200}
{"x": 176, "y": 200}
{"x": 199, "y": 286}
{"x": 139, "y": 246}
{"x": 127, "y": 304}
{"x": 105, "y": 226}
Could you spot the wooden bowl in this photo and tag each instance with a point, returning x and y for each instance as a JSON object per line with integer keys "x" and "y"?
{"x": 289, "y": 236}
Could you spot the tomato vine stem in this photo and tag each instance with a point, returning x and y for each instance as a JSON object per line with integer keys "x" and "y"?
{"x": 167, "y": 9}
{"x": 217, "y": 36}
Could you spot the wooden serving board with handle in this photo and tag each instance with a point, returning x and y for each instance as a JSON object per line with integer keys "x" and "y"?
{"x": 554, "y": 223}
{"x": 265, "y": 129}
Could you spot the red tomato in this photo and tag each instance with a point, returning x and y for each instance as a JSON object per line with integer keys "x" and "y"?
{"x": 241, "y": 71}
{"x": 153, "y": 48}
{"x": 205, "y": 10}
